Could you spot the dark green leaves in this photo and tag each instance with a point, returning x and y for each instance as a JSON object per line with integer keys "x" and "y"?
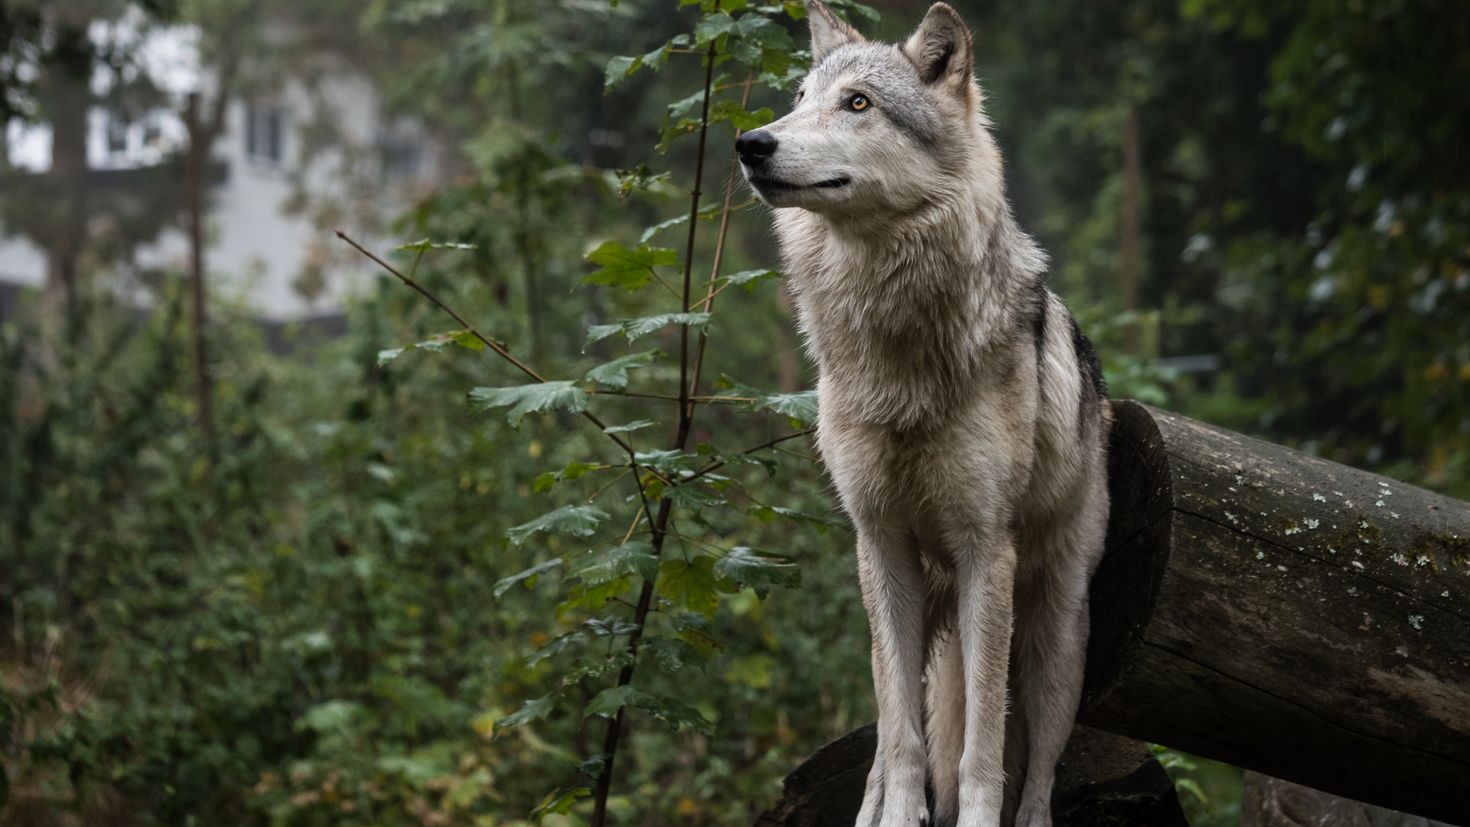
{"x": 533, "y": 710}
{"x": 559, "y": 802}
{"x": 630, "y": 269}
{"x": 636, "y": 425}
{"x": 635, "y": 329}
{"x": 576, "y": 520}
{"x": 677, "y": 715}
{"x": 750, "y": 278}
{"x": 691, "y": 584}
{"x": 434, "y": 344}
{"x": 614, "y": 374}
{"x": 800, "y": 407}
{"x": 525, "y": 399}
{"x": 629, "y": 558}
{"x": 424, "y": 245}
{"x": 528, "y": 577}
{"x": 749, "y": 568}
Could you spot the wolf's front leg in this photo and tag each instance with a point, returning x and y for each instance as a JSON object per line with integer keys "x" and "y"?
{"x": 893, "y": 592}
{"x": 986, "y": 572}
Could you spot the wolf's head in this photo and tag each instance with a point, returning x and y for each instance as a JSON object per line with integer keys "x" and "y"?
{"x": 876, "y": 129}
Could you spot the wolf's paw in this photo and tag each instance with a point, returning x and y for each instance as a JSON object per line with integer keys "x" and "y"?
{"x": 905, "y": 805}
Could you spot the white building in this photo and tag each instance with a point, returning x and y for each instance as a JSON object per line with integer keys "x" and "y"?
{"x": 269, "y": 242}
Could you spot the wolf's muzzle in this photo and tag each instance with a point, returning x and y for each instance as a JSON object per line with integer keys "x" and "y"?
{"x": 755, "y": 147}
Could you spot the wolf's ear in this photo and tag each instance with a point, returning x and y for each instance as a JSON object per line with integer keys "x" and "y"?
{"x": 942, "y": 48}
{"x": 828, "y": 30}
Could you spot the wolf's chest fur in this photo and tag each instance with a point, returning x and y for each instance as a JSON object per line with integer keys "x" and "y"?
{"x": 908, "y": 324}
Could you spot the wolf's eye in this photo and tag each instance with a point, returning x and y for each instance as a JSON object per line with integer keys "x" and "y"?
{"x": 858, "y": 103}
{"x": 799, "y": 94}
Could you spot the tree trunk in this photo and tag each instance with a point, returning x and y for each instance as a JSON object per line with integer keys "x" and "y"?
{"x": 65, "y": 97}
{"x": 200, "y": 139}
{"x": 1130, "y": 241}
{"x": 1283, "y": 613}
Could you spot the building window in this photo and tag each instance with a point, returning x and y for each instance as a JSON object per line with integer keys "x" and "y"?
{"x": 265, "y": 133}
{"x": 402, "y": 159}
{"x": 117, "y": 134}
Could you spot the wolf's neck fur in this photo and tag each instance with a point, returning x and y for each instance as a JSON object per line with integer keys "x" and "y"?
{"x": 903, "y": 318}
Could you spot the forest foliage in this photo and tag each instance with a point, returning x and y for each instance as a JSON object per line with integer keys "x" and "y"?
{"x": 408, "y": 581}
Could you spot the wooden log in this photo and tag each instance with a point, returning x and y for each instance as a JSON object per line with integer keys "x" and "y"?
{"x": 1283, "y": 613}
{"x": 1103, "y": 780}
{"x": 1271, "y": 802}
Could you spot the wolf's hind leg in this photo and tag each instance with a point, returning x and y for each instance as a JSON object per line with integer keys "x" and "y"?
{"x": 893, "y": 592}
{"x": 945, "y": 728}
{"x": 1051, "y": 641}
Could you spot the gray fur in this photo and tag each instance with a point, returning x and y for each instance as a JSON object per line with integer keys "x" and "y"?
{"x": 963, "y": 421}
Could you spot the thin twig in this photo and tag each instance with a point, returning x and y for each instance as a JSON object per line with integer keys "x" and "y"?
{"x": 751, "y": 450}
{"x": 686, "y": 412}
{"x": 714, "y": 272}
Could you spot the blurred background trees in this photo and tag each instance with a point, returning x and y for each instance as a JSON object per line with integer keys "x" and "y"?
{"x": 1261, "y": 211}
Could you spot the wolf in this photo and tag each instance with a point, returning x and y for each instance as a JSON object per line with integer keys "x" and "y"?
{"x": 963, "y": 418}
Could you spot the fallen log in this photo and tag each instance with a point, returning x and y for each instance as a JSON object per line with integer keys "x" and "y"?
{"x": 1103, "y": 780}
{"x": 1283, "y": 613}
{"x": 1271, "y": 802}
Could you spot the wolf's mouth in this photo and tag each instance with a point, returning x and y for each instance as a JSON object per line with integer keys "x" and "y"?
{"x": 773, "y": 184}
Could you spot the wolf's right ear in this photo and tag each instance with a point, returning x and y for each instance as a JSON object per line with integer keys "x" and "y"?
{"x": 942, "y": 48}
{"x": 828, "y": 30}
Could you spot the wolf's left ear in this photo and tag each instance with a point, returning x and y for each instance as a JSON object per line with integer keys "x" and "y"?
{"x": 942, "y": 48}
{"x": 828, "y": 30}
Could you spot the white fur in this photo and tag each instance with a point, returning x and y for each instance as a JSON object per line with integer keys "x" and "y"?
{"x": 969, "y": 454}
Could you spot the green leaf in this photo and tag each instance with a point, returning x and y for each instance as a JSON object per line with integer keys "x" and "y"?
{"x": 434, "y": 344}
{"x": 767, "y": 513}
{"x": 650, "y": 232}
{"x": 691, "y": 497}
{"x": 625, "y": 268}
{"x": 559, "y": 802}
{"x": 750, "y": 278}
{"x": 745, "y": 566}
{"x": 677, "y": 715}
{"x": 424, "y": 245}
{"x": 574, "y": 470}
{"x": 576, "y": 520}
{"x": 635, "y": 425}
{"x": 672, "y": 654}
{"x": 635, "y": 329}
{"x": 669, "y": 461}
{"x": 619, "y": 69}
{"x": 614, "y": 374}
{"x": 529, "y": 577}
{"x": 556, "y": 646}
{"x": 629, "y": 558}
{"x": 533, "y": 710}
{"x": 800, "y": 407}
{"x": 535, "y": 398}
{"x": 739, "y": 117}
{"x": 712, "y": 26}
{"x": 690, "y": 584}
{"x": 592, "y": 598}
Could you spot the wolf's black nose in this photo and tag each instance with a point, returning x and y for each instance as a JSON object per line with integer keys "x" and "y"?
{"x": 755, "y": 147}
